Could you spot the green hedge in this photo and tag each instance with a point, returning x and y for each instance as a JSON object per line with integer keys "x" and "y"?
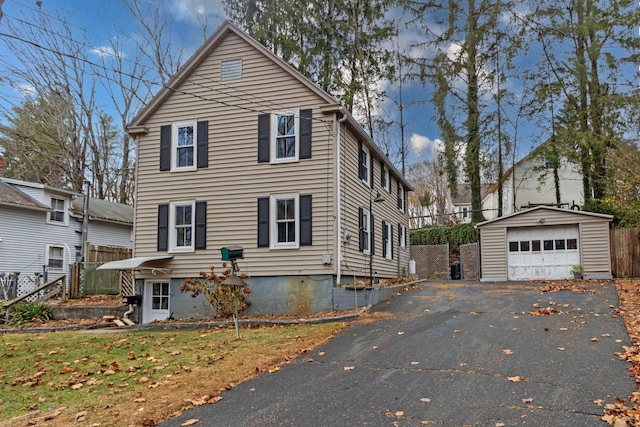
{"x": 627, "y": 216}
{"x": 459, "y": 234}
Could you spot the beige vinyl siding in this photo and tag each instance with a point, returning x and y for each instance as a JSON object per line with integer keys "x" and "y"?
{"x": 595, "y": 250}
{"x": 235, "y": 180}
{"x": 356, "y": 194}
{"x": 493, "y": 250}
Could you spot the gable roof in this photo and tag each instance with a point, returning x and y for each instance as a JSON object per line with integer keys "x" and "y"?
{"x": 137, "y": 124}
{"x": 103, "y": 210}
{"x": 545, "y": 208}
{"x": 11, "y": 196}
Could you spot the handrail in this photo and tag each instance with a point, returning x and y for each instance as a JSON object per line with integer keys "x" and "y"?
{"x": 50, "y": 283}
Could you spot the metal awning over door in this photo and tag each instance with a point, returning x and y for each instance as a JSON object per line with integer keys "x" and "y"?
{"x": 546, "y": 252}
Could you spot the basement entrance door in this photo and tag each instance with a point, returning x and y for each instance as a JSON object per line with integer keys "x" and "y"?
{"x": 155, "y": 301}
{"x": 546, "y": 252}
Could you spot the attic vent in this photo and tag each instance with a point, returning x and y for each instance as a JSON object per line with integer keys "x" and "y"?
{"x": 231, "y": 70}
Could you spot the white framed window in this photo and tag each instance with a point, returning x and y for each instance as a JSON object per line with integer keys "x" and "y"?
{"x": 231, "y": 69}
{"x": 55, "y": 257}
{"x": 160, "y": 296}
{"x": 387, "y": 240}
{"x": 58, "y": 214}
{"x": 285, "y": 136}
{"x": 365, "y": 165}
{"x": 463, "y": 212}
{"x": 402, "y": 236}
{"x": 183, "y": 145}
{"x": 385, "y": 179}
{"x": 285, "y": 221}
{"x": 181, "y": 226}
{"x": 401, "y": 201}
{"x": 365, "y": 220}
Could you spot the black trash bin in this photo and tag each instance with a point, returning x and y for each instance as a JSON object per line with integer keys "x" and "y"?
{"x": 456, "y": 273}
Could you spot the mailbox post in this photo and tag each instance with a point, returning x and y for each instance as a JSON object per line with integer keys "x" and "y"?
{"x": 232, "y": 254}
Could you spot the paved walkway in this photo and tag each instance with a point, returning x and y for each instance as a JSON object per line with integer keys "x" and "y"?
{"x": 451, "y": 354}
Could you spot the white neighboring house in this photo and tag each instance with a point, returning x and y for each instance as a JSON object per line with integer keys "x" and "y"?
{"x": 461, "y": 204}
{"x": 530, "y": 183}
{"x": 41, "y": 227}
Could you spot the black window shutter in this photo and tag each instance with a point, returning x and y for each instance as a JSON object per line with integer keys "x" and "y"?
{"x": 203, "y": 144}
{"x": 360, "y": 161}
{"x": 305, "y": 220}
{"x": 371, "y": 163}
{"x": 399, "y": 234}
{"x": 391, "y": 239}
{"x": 399, "y": 199}
{"x": 384, "y": 239}
{"x": 201, "y": 225}
{"x": 305, "y": 133}
{"x": 263, "y": 222}
{"x": 372, "y": 243}
{"x": 383, "y": 182}
{"x": 165, "y": 148}
{"x": 361, "y": 229}
{"x": 264, "y": 134}
{"x": 163, "y": 227}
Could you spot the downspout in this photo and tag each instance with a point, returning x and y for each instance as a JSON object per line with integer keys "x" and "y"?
{"x": 342, "y": 118}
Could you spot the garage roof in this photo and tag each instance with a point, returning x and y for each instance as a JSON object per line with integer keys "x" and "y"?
{"x": 542, "y": 209}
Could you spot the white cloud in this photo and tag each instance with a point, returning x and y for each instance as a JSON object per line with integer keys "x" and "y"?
{"x": 25, "y": 89}
{"x": 196, "y": 10}
{"x": 420, "y": 143}
{"x": 105, "y": 51}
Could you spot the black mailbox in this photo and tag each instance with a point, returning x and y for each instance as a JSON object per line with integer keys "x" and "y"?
{"x": 132, "y": 299}
{"x": 232, "y": 253}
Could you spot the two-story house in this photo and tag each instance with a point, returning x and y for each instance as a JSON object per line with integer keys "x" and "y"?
{"x": 531, "y": 182}
{"x": 41, "y": 227}
{"x": 240, "y": 149}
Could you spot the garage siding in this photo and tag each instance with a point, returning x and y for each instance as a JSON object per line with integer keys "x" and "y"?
{"x": 493, "y": 253}
{"x": 593, "y": 239}
{"x": 596, "y": 253}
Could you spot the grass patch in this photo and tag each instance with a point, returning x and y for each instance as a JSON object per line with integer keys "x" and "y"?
{"x": 138, "y": 378}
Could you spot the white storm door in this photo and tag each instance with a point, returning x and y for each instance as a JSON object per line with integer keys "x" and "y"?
{"x": 156, "y": 301}
{"x": 536, "y": 253}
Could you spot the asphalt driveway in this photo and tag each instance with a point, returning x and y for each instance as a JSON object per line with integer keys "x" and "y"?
{"x": 452, "y": 354}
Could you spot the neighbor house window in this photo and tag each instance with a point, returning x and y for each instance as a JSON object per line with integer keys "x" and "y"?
{"x": 182, "y": 225}
{"x": 58, "y": 213}
{"x": 55, "y": 257}
{"x": 387, "y": 232}
{"x": 184, "y": 145}
{"x": 231, "y": 70}
{"x": 285, "y": 219}
{"x": 285, "y": 132}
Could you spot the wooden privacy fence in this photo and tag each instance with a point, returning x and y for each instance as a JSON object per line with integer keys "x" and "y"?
{"x": 625, "y": 252}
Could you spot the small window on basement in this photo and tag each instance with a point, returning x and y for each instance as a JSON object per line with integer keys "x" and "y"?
{"x": 231, "y": 70}
{"x": 513, "y": 246}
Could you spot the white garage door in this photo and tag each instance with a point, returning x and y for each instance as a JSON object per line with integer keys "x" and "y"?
{"x": 542, "y": 252}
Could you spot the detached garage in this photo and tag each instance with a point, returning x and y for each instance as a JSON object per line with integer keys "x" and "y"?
{"x": 545, "y": 243}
